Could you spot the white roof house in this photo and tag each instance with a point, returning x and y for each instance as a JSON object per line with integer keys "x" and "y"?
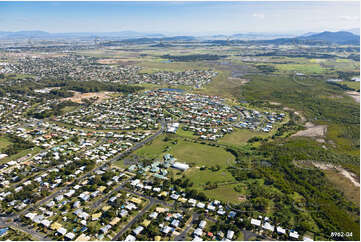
{"x": 294, "y": 235}
{"x": 46, "y": 223}
{"x": 230, "y": 234}
{"x": 202, "y": 224}
{"x": 280, "y": 230}
{"x": 256, "y": 222}
{"x": 130, "y": 238}
{"x": 70, "y": 235}
{"x": 138, "y": 230}
{"x": 166, "y": 229}
{"x": 198, "y": 232}
{"x": 180, "y": 166}
{"x": 61, "y": 231}
{"x": 200, "y": 205}
{"x": 211, "y": 207}
{"x": 268, "y": 226}
{"x": 307, "y": 239}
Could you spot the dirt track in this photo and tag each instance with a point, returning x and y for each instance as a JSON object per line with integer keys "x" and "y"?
{"x": 312, "y": 130}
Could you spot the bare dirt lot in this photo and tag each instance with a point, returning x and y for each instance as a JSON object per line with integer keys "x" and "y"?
{"x": 236, "y": 80}
{"x": 312, "y": 130}
{"x": 115, "y": 61}
{"x": 77, "y": 98}
{"x": 275, "y": 103}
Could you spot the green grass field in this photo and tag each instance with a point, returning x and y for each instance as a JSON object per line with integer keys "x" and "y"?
{"x": 4, "y": 142}
{"x": 240, "y": 136}
{"x": 202, "y": 155}
{"x": 21, "y": 154}
{"x": 310, "y": 68}
{"x": 185, "y": 151}
{"x": 157, "y": 65}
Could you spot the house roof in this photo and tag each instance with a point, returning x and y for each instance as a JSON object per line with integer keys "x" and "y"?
{"x": 55, "y": 226}
{"x": 96, "y": 215}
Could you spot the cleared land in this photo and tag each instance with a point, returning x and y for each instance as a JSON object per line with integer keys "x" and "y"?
{"x": 77, "y": 98}
{"x": 313, "y": 130}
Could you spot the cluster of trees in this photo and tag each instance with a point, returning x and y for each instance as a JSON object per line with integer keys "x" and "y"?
{"x": 290, "y": 126}
{"x": 183, "y": 183}
{"x": 340, "y": 85}
{"x": 18, "y": 144}
{"x": 56, "y": 109}
{"x": 334, "y": 212}
{"x": 210, "y": 185}
{"x": 309, "y": 98}
{"x": 195, "y": 57}
{"x": 298, "y": 54}
{"x": 266, "y": 68}
{"x": 273, "y": 188}
{"x": 347, "y": 76}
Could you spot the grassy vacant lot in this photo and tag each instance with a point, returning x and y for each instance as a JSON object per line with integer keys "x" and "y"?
{"x": 22, "y": 153}
{"x": 224, "y": 193}
{"x": 202, "y": 155}
{"x": 311, "y": 68}
{"x": 4, "y": 142}
{"x": 155, "y": 148}
{"x": 197, "y": 155}
{"x": 223, "y": 86}
{"x": 154, "y": 66}
{"x": 224, "y": 180}
{"x": 185, "y": 151}
{"x": 240, "y": 136}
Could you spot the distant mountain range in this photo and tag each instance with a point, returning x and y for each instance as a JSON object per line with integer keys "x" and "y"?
{"x": 111, "y": 38}
{"x": 354, "y": 31}
{"x": 340, "y": 37}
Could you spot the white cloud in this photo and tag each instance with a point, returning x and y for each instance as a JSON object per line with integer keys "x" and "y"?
{"x": 349, "y": 18}
{"x": 258, "y": 15}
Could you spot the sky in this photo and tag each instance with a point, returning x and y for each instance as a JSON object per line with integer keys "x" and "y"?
{"x": 180, "y": 17}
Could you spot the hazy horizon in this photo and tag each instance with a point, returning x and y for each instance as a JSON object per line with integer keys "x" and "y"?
{"x": 179, "y": 17}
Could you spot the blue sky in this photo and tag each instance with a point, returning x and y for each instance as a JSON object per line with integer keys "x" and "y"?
{"x": 179, "y": 17}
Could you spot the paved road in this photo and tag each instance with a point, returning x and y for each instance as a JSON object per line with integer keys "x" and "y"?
{"x": 140, "y": 144}
{"x": 183, "y": 234}
{"x": 101, "y": 200}
{"x": 248, "y": 235}
{"x": 97, "y": 203}
{"x": 135, "y": 219}
{"x": 4, "y": 222}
